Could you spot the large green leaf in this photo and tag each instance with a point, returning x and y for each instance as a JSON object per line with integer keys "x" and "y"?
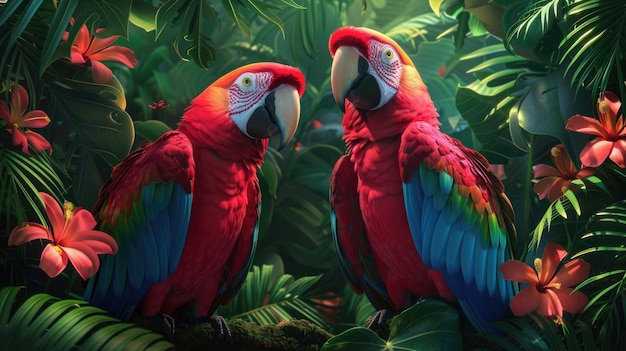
{"x": 44, "y": 322}
{"x": 104, "y": 131}
{"x": 427, "y": 325}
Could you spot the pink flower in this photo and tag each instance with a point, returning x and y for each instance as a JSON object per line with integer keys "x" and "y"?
{"x": 558, "y": 180}
{"x": 610, "y": 129}
{"x": 549, "y": 290}
{"x": 93, "y": 49}
{"x": 72, "y": 238}
{"x": 18, "y": 118}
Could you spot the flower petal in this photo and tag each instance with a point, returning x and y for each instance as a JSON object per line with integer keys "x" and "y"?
{"x": 34, "y": 119}
{"x": 552, "y": 256}
{"x": 556, "y": 189}
{"x": 52, "y": 262}
{"x": 84, "y": 260}
{"x": 572, "y": 273}
{"x": 82, "y": 220}
{"x": 20, "y": 140}
{"x": 518, "y": 271}
{"x": 542, "y": 187}
{"x": 572, "y": 301}
{"x": 120, "y": 54}
{"x": 100, "y": 73}
{"x": 99, "y": 242}
{"x": 550, "y": 305}
{"x": 98, "y": 44}
{"x": 618, "y": 153}
{"x": 55, "y": 215}
{"x": 27, "y": 232}
{"x": 38, "y": 142}
{"x": 542, "y": 170}
{"x": 76, "y": 55}
{"x": 595, "y": 152}
{"x": 586, "y": 125}
{"x": 526, "y": 301}
{"x": 83, "y": 39}
{"x": 19, "y": 102}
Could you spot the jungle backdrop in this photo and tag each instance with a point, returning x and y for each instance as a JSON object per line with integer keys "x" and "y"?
{"x": 505, "y": 76}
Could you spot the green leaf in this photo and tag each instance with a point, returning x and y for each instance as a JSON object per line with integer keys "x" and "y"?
{"x": 427, "y": 325}
{"x": 104, "y": 131}
{"x": 60, "y": 21}
{"x": 44, "y": 322}
{"x": 150, "y": 130}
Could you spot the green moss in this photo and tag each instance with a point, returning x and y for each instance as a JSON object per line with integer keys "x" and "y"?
{"x": 297, "y": 335}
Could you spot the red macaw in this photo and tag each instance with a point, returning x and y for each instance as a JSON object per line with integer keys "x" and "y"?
{"x": 415, "y": 213}
{"x": 184, "y": 209}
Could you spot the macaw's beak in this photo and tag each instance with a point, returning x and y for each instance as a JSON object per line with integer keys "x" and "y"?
{"x": 350, "y": 79}
{"x": 278, "y": 115}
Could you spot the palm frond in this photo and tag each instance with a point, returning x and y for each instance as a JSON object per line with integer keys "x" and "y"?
{"x": 538, "y": 17}
{"x": 22, "y": 177}
{"x": 595, "y": 46}
{"x": 534, "y": 332}
{"x": 267, "y": 301}
{"x": 603, "y": 247}
{"x": 44, "y": 322}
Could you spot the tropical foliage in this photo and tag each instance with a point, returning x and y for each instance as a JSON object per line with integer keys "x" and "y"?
{"x": 507, "y": 77}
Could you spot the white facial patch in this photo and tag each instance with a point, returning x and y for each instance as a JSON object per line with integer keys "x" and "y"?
{"x": 245, "y": 95}
{"x": 386, "y": 68}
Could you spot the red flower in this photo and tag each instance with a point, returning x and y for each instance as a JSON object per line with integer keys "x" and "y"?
{"x": 158, "y": 105}
{"x": 72, "y": 238}
{"x": 316, "y": 124}
{"x": 549, "y": 290}
{"x": 441, "y": 71}
{"x": 93, "y": 49}
{"x": 610, "y": 129}
{"x": 558, "y": 180}
{"x": 18, "y": 118}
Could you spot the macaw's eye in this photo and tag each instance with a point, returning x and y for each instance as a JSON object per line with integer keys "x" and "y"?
{"x": 388, "y": 54}
{"x": 246, "y": 81}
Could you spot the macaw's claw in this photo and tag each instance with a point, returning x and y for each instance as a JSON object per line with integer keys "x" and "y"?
{"x": 167, "y": 325}
{"x": 218, "y": 323}
{"x": 379, "y": 322}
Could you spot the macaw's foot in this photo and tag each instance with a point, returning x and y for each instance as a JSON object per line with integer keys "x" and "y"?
{"x": 167, "y": 324}
{"x": 379, "y": 322}
{"x": 218, "y": 323}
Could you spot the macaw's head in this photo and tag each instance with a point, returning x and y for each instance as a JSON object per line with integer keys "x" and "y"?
{"x": 371, "y": 72}
{"x": 256, "y": 101}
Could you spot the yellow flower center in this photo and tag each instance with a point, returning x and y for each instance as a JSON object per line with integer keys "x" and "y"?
{"x": 603, "y": 106}
{"x": 538, "y": 265}
{"x": 68, "y": 207}
{"x": 555, "y": 152}
{"x": 556, "y": 285}
{"x": 58, "y": 249}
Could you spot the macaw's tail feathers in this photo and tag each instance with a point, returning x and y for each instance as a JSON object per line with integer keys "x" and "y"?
{"x": 479, "y": 308}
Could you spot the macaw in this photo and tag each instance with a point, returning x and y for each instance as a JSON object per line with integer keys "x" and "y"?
{"x": 414, "y": 212}
{"x": 184, "y": 209}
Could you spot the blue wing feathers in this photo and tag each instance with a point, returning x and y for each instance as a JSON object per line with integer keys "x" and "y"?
{"x": 453, "y": 257}
{"x": 480, "y": 266}
{"x": 440, "y": 245}
{"x": 181, "y": 204}
{"x": 454, "y": 233}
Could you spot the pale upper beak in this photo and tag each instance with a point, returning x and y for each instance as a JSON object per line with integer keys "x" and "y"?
{"x": 279, "y": 115}
{"x": 344, "y": 71}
